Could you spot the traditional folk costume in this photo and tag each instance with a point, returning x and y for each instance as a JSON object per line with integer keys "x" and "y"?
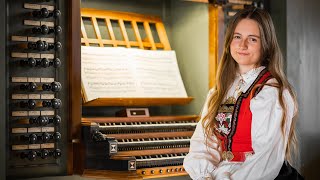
{"x": 249, "y": 126}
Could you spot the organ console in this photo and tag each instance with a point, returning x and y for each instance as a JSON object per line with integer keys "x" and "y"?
{"x": 148, "y": 145}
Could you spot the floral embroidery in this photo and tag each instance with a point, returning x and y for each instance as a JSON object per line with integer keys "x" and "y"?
{"x": 224, "y": 122}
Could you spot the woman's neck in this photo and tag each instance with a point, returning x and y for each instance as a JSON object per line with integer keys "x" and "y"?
{"x": 245, "y": 69}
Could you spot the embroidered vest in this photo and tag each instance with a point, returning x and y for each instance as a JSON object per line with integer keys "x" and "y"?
{"x": 234, "y": 122}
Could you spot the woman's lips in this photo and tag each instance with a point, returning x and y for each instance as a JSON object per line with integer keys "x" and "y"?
{"x": 242, "y": 53}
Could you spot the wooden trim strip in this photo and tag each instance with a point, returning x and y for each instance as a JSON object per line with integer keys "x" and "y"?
{"x": 96, "y": 30}
{"x": 149, "y": 35}
{"x": 124, "y": 32}
{"x": 137, "y": 34}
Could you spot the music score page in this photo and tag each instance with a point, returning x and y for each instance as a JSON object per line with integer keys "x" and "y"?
{"x": 109, "y": 72}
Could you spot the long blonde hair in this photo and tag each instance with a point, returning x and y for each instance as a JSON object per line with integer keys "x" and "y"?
{"x": 271, "y": 58}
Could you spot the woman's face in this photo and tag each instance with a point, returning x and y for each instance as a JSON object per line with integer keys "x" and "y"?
{"x": 245, "y": 46}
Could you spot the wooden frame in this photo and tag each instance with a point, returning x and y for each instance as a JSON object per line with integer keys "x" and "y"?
{"x": 146, "y": 43}
{"x": 121, "y": 17}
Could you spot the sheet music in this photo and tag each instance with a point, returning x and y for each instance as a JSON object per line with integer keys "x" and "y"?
{"x": 123, "y": 72}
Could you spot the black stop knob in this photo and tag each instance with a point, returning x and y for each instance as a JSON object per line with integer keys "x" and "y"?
{"x": 56, "y": 120}
{"x": 32, "y": 62}
{"x": 33, "y": 138}
{"x": 56, "y": 86}
{"x": 44, "y": 153}
{"x": 44, "y": 13}
{"x": 56, "y": 103}
{"x": 31, "y": 104}
{"x": 56, "y": 13}
{"x": 57, "y": 136}
{"x": 57, "y": 46}
{"x": 39, "y": 45}
{"x": 56, "y": 153}
{"x": 32, "y": 155}
{"x": 44, "y": 29}
{"x": 45, "y": 46}
{"x": 57, "y": 30}
{"x": 56, "y": 62}
{"x": 46, "y": 87}
{"x": 45, "y": 137}
{"x": 42, "y": 120}
{"x": 32, "y": 86}
{"x": 32, "y": 120}
{"x": 45, "y": 62}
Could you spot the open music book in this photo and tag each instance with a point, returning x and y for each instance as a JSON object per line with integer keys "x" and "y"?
{"x": 110, "y": 72}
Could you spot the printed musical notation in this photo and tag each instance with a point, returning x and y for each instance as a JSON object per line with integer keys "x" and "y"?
{"x": 122, "y": 72}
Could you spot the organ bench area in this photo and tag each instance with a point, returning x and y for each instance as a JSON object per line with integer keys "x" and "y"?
{"x": 130, "y": 142}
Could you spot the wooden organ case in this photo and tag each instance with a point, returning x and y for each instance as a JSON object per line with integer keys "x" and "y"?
{"x": 132, "y": 145}
{"x": 35, "y": 89}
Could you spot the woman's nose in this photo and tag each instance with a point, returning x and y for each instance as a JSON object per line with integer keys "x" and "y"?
{"x": 243, "y": 44}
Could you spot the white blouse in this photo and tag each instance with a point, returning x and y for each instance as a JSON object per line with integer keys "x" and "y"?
{"x": 268, "y": 143}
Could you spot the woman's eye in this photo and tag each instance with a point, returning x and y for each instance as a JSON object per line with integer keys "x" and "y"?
{"x": 253, "y": 40}
{"x": 236, "y": 37}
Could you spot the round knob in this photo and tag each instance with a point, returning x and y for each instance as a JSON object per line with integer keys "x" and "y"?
{"x": 39, "y": 45}
{"x": 57, "y": 46}
{"x": 58, "y": 30}
{"x": 56, "y": 13}
{"x": 160, "y": 171}
{"x": 56, "y": 63}
{"x": 44, "y": 12}
{"x": 36, "y": 30}
{"x": 152, "y": 171}
{"x": 45, "y": 62}
{"x": 45, "y": 137}
{"x": 31, "y": 104}
{"x": 45, "y": 46}
{"x": 42, "y": 121}
{"x": 32, "y": 86}
{"x": 46, "y": 87}
{"x": 33, "y": 138}
{"x": 32, "y": 62}
{"x": 32, "y": 120}
{"x": 168, "y": 170}
{"x": 57, "y": 136}
{"x": 56, "y": 103}
{"x": 143, "y": 172}
{"x": 56, "y": 86}
{"x": 32, "y": 155}
{"x": 44, "y": 153}
{"x": 57, "y": 120}
{"x": 44, "y": 29}
{"x": 57, "y": 153}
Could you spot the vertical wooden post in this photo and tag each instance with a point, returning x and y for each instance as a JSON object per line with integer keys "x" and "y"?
{"x": 213, "y": 44}
{"x": 74, "y": 79}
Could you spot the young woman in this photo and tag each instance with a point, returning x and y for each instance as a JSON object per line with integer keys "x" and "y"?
{"x": 247, "y": 126}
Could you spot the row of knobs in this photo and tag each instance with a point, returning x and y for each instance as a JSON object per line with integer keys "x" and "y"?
{"x": 45, "y": 13}
{"x": 44, "y": 62}
{"x": 161, "y": 171}
{"x": 44, "y": 120}
{"x": 32, "y": 86}
{"x": 44, "y": 29}
{"x": 43, "y": 46}
{"x": 31, "y": 104}
{"x": 45, "y": 137}
{"x": 43, "y": 153}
